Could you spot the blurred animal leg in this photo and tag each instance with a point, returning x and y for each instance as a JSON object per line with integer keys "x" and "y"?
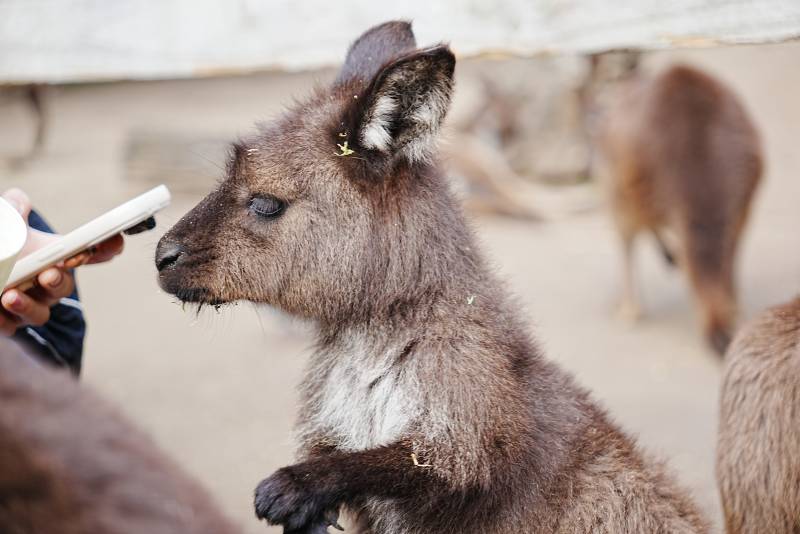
{"x": 629, "y": 308}
{"x": 666, "y": 251}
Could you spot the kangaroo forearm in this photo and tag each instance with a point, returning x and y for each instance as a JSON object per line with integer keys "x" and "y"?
{"x": 391, "y": 471}
{"x": 306, "y": 496}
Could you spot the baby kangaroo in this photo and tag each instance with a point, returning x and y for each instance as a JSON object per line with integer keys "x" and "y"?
{"x": 426, "y": 407}
{"x": 683, "y": 161}
{"x": 758, "y": 453}
{"x": 70, "y": 464}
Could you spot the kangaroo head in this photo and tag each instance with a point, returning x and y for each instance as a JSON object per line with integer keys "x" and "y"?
{"x": 328, "y": 210}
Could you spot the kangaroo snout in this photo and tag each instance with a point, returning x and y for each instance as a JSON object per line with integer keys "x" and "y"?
{"x": 168, "y": 254}
{"x": 170, "y": 259}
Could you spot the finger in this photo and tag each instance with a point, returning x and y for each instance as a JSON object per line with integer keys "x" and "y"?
{"x": 8, "y": 324}
{"x": 25, "y": 308}
{"x": 107, "y": 249}
{"x": 81, "y": 258}
{"x": 17, "y": 198}
{"x": 97, "y": 254}
{"x": 55, "y": 284}
{"x": 36, "y": 240}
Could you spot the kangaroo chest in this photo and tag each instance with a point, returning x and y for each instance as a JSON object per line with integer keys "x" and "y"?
{"x": 367, "y": 396}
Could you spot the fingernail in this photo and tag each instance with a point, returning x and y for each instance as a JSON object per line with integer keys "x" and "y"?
{"x": 16, "y": 301}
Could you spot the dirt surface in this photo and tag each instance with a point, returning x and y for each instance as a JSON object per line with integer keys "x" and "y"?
{"x": 218, "y": 391}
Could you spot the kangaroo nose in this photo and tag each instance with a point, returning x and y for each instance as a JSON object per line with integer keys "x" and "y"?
{"x": 167, "y": 255}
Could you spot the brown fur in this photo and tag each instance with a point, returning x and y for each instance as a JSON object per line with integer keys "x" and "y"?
{"x": 758, "y": 452}
{"x": 684, "y": 159}
{"x": 426, "y": 407}
{"x": 70, "y": 464}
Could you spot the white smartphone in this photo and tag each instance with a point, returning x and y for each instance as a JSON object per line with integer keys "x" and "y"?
{"x": 119, "y": 219}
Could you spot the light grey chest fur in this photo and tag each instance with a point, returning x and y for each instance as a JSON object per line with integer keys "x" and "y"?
{"x": 367, "y": 398}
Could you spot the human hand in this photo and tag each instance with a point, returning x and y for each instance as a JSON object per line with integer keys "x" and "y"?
{"x": 32, "y": 306}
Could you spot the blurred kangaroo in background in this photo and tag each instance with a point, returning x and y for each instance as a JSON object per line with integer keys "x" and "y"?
{"x": 71, "y": 464}
{"x": 426, "y": 406}
{"x": 758, "y": 452}
{"x": 682, "y": 160}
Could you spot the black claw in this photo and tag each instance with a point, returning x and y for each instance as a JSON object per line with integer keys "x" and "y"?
{"x": 283, "y": 499}
{"x": 331, "y": 517}
{"x": 313, "y": 528}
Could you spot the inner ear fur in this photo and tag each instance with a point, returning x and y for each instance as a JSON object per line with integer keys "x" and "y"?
{"x": 400, "y": 112}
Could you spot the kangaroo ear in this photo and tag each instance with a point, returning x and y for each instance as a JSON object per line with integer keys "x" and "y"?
{"x": 400, "y": 112}
{"x": 376, "y": 47}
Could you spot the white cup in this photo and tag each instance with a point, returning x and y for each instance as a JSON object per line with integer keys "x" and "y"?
{"x": 13, "y": 233}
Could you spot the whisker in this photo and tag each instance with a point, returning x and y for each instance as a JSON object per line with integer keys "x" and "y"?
{"x": 206, "y": 158}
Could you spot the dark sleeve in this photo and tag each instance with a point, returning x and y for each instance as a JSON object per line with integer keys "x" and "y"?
{"x": 60, "y": 340}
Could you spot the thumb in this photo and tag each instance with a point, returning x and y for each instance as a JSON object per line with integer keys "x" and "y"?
{"x": 20, "y": 201}
{"x": 37, "y": 240}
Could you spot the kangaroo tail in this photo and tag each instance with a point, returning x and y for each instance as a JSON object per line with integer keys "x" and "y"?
{"x": 709, "y": 262}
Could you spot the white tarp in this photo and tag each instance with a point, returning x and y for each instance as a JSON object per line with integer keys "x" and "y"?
{"x": 81, "y": 40}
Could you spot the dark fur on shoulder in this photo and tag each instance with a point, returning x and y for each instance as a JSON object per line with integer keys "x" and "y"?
{"x": 426, "y": 407}
{"x": 758, "y": 452}
{"x": 70, "y": 464}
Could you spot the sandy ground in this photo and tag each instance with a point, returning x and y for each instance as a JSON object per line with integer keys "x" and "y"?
{"x": 217, "y": 391}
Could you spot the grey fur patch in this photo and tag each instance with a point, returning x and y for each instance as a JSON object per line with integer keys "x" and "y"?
{"x": 409, "y": 105}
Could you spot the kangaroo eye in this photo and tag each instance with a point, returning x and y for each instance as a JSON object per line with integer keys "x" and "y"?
{"x": 268, "y": 206}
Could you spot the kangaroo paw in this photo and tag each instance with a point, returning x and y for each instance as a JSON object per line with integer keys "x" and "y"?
{"x": 290, "y": 499}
